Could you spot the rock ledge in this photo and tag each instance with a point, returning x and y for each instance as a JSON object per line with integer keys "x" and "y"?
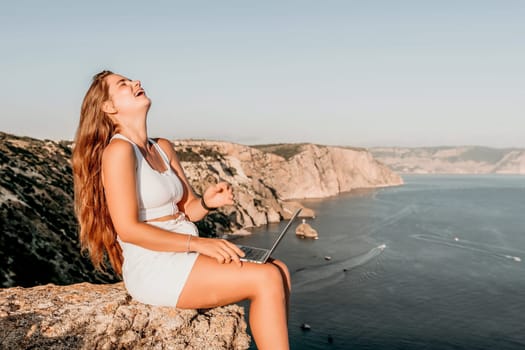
{"x": 90, "y": 316}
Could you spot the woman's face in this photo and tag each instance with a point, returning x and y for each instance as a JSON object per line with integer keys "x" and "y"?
{"x": 126, "y": 96}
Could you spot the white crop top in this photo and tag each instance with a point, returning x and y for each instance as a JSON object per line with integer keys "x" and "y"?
{"x": 157, "y": 192}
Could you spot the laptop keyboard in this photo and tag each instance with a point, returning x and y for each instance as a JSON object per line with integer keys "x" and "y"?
{"x": 253, "y": 253}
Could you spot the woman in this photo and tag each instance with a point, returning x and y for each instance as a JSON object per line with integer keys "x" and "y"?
{"x": 135, "y": 204}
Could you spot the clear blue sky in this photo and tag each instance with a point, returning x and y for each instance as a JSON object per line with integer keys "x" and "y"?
{"x": 359, "y": 73}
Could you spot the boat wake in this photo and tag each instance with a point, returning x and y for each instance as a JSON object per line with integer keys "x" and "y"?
{"x": 456, "y": 242}
{"x": 309, "y": 279}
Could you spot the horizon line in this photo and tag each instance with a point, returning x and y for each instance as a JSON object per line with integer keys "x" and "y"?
{"x": 296, "y": 143}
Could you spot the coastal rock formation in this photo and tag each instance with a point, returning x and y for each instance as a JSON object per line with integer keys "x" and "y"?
{"x": 295, "y": 171}
{"x": 304, "y": 230}
{"x": 328, "y": 171}
{"x": 88, "y": 316}
{"x": 36, "y": 196}
{"x": 206, "y": 163}
{"x": 452, "y": 160}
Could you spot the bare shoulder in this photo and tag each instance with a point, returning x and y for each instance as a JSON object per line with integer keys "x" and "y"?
{"x": 167, "y": 147}
{"x": 164, "y": 142}
{"x": 118, "y": 151}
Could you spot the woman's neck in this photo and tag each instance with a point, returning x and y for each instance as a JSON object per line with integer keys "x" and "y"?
{"x": 137, "y": 134}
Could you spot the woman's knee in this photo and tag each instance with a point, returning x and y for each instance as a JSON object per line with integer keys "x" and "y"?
{"x": 270, "y": 280}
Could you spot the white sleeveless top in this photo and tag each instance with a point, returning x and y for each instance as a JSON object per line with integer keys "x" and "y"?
{"x": 157, "y": 277}
{"x": 158, "y": 192}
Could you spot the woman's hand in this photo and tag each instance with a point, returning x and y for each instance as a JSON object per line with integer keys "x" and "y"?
{"x": 219, "y": 249}
{"x": 218, "y": 195}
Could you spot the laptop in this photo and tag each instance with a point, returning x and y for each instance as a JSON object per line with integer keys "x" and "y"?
{"x": 261, "y": 255}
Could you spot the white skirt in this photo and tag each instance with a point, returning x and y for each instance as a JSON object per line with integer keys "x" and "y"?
{"x": 157, "y": 278}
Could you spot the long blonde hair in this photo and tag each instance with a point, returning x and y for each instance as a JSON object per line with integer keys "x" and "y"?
{"x": 95, "y": 129}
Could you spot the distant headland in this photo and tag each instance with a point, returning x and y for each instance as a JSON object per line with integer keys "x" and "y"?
{"x": 452, "y": 160}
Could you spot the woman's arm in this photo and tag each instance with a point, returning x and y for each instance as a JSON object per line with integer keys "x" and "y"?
{"x": 215, "y": 196}
{"x": 119, "y": 177}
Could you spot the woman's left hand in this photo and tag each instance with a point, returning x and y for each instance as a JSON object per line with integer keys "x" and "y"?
{"x": 218, "y": 195}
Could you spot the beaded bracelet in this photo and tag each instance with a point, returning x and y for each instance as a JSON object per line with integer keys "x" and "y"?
{"x": 205, "y": 206}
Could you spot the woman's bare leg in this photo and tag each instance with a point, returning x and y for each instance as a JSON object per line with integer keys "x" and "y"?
{"x": 286, "y": 279}
{"x": 211, "y": 284}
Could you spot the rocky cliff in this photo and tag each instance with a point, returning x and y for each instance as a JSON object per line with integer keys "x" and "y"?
{"x": 88, "y": 316}
{"x": 296, "y": 171}
{"x": 36, "y": 196}
{"x": 452, "y": 160}
{"x": 39, "y": 242}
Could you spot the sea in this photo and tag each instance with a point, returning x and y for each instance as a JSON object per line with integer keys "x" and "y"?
{"x": 437, "y": 263}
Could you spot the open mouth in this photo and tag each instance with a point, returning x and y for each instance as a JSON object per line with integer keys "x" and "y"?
{"x": 139, "y": 93}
